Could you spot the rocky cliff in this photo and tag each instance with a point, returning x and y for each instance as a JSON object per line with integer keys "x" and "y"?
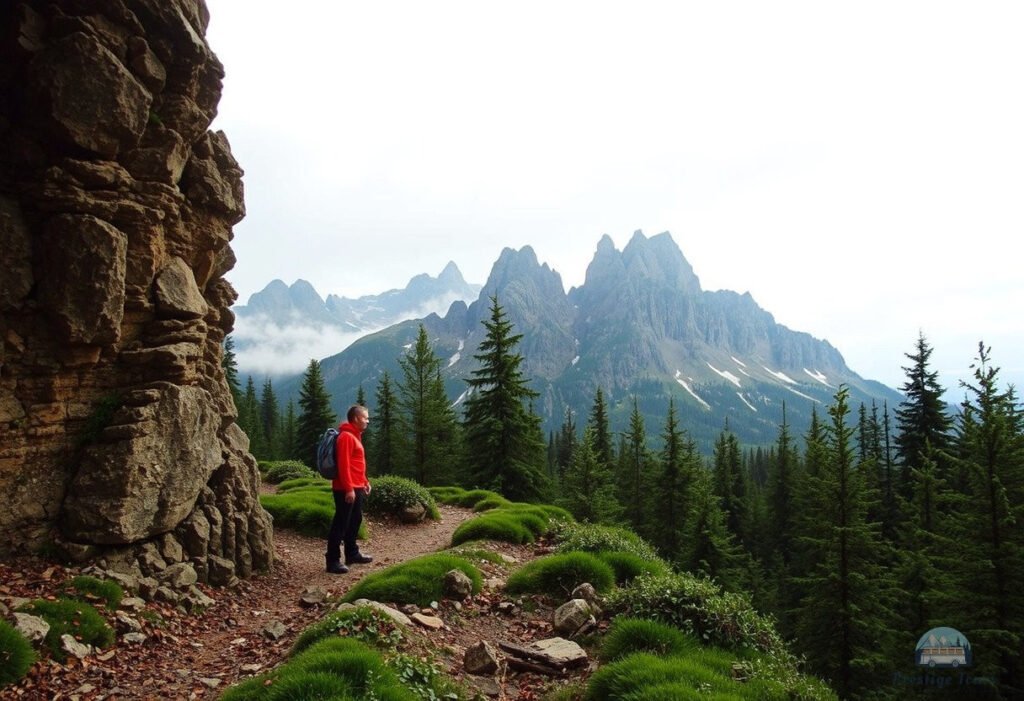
{"x": 118, "y": 438}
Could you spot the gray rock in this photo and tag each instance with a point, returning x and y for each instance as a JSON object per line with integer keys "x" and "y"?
{"x": 147, "y": 587}
{"x": 480, "y": 659}
{"x": 177, "y": 294}
{"x": 457, "y": 585}
{"x": 219, "y": 571}
{"x": 274, "y": 630}
{"x": 127, "y": 582}
{"x": 133, "y": 603}
{"x": 562, "y": 652}
{"x": 195, "y": 600}
{"x": 75, "y": 648}
{"x": 180, "y": 576}
{"x": 396, "y": 616}
{"x": 571, "y": 616}
{"x": 587, "y": 592}
{"x": 312, "y": 596}
{"x": 126, "y": 623}
{"x": 32, "y": 627}
{"x": 412, "y": 514}
{"x": 431, "y": 622}
{"x": 134, "y": 638}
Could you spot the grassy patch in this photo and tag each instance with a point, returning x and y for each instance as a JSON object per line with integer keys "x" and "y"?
{"x": 559, "y": 574}
{"x": 494, "y": 525}
{"x": 307, "y": 509}
{"x": 418, "y": 581}
{"x": 629, "y": 635}
{"x": 391, "y": 494}
{"x": 72, "y": 616}
{"x": 94, "y": 590}
{"x": 593, "y": 538}
{"x": 363, "y": 623}
{"x": 16, "y": 654}
{"x": 628, "y": 566}
{"x": 281, "y": 470}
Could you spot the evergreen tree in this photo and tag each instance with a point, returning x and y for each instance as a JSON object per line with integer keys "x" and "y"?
{"x": 387, "y": 445}
{"x": 289, "y": 426}
{"x": 598, "y": 423}
{"x": 229, "y": 362}
{"x": 784, "y": 477}
{"x": 250, "y": 422}
{"x": 728, "y": 482}
{"x": 426, "y": 415}
{"x": 269, "y": 417}
{"x": 711, "y": 548}
{"x": 315, "y": 414}
{"x": 921, "y": 419}
{"x": 588, "y": 491}
{"x": 671, "y": 498}
{"x": 634, "y": 472}
{"x": 988, "y": 524}
{"x": 566, "y": 444}
{"x": 505, "y": 448}
{"x": 842, "y": 622}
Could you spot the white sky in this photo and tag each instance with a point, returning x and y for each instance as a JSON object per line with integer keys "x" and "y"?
{"x": 857, "y": 167}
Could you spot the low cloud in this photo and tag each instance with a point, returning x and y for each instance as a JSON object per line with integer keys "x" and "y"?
{"x": 263, "y": 347}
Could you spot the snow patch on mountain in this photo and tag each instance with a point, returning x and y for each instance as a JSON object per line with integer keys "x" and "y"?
{"x": 726, "y": 374}
{"x": 744, "y": 400}
{"x": 779, "y": 375}
{"x": 685, "y": 386}
{"x": 819, "y": 376}
{"x": 805, "y": 396}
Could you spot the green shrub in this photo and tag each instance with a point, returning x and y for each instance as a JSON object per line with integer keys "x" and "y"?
{"x": 423, "y": 679}
{"x": 299, "y": 482}
{"x": 698, "y": 606}
{"x": 492, "y": 502}
{"x": 468, "y": 499}
{"x": 417, "y": 581}
{"x": 559, "y": 574}
{"x": 628, "y": 566}
{"x": 644, "y": 676}
{"x": 252, "y": 689}
{"x": 629, "y": 635}
{"x": 447, "y": 495}
{"x": 391, "y": 494}
{"x": 72, "y": 616}
{"x": 91, "y": 588}
{"x": 363, "y": 623}
{"x": 593, "y": 538}
{"x": 360, "y": 666}
{"x": 493, "y": 525}
{"x": 282, "y": 470}
{"x": 16, "y": 654}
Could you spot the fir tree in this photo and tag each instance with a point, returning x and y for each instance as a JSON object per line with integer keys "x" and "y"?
{"x": 671, "y": 498}
{"x": 711, "y": 548}
{"x": 250, "y": 422}
{"x": 598, "y": 423}
{"x": 289, "y": 426}
{"x": 426, "y": 415}
{"x": 728, "y": 482}
{"x": 588, "y": 491}
{"x": 315, "y": 414}
{"x": 387, "y": 445}
{"x": 269, "y": 417}
{"x": 566, "y": 444}
{"x": 634, "y": 474}
{"x": 921, "y": 419}
{"x": 505, "y": 448}
{"x": 229, "y": 362}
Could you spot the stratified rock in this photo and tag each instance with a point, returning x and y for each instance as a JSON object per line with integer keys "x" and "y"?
{"x": 457, "y": 585}
{"x": 480, "y": 658}
{"x": 571, "y": 616}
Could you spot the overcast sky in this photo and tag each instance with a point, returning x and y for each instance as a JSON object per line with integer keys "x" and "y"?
{"x": 857, "y": 167}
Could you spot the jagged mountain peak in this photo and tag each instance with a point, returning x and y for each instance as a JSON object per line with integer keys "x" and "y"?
{"x": 660, "y": 258}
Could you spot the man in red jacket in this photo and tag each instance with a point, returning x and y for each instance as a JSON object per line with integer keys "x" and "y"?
{"x": 350, "y": 488}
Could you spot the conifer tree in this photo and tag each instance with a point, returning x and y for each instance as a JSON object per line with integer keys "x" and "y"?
{"x": 921, "y": 419}
{"x": 315, "y": 413}
{"x": 249, "y": 421}
{"x": 387, "y": 445}
{"x": 711, "y": 548}
{"x": 988, "y": 523}
{"x": 588, "y": 491}
{"x": 229, "y": 362}
{"x": 728, "y": 482}
{"x": 598, "y": 423}
{"x": 785, "y": 476}
{"x": 289, "y": 426}
{"x": 672, "y": 497}
{"x": 505, "y": 448}
{"x": 634, "y": 472}
{"x": 842, "y": 621}
{"x": 269, "y": 416}
{"x": 566, "y": 444}
{"x": 426, "y": 416}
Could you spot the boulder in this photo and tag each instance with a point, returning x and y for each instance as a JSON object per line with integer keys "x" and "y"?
{"x": 480, "y": 658}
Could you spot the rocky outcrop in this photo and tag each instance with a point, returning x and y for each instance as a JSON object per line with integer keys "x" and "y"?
{"x": 118, "y": 439}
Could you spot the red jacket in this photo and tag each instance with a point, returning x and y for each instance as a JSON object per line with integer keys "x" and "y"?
{"x": 351, "y": 460}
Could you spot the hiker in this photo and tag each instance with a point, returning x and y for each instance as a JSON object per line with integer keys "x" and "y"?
{"x": 350, "y": 488}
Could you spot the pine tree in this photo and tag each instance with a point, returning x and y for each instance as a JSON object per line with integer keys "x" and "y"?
{"x": 634, "y": 472}
{"x": 566, "y": 444}
{"x": 598, "y": 423}
{"x": 505, "y": 447}
{"x": 672, "y": 496}
{"x": 843, "y": 621}
{"x": 229, "y": 362}
{"x": 269, "y": 417}
{"x": 988, "y": 523}
{"x": 387, "y": 446}
{"x": 249, "y": 421}
{"x": 711, "y": 548}
{"x": 426, "y": 415}
{"x": 315, "y": 414}
{"x": 782, "y": 496}
{"x": 588, "y": 491}
{"x": 728, "y": 482}
{"x": 289, "y": 426}
{"x": 921, "y": 419}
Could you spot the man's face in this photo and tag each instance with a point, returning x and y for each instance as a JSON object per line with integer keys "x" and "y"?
{"x": 362, "y": 419}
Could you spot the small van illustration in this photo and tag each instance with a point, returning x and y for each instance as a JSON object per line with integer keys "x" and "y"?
{"x": 943, "y": 647}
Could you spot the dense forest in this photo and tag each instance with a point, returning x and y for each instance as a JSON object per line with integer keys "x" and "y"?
{"x": 858, "y": 533}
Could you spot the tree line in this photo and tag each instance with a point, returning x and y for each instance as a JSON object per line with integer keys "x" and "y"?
{"x": 880, "y": 526}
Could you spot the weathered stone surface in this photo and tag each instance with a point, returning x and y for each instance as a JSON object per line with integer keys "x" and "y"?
{"x": 457, "y": 585}
{"x": 413, "y": 513}
{"x": 571, "y": 616}
{"x": 75, "y": 648}
{"x": 395, "y": 615}
{"x": 142, "y": 487}
{"x": 481, "y": 658}
{"x": 431, "y": 622}
{"x": 32, "y": 627}
{"x": 179, "y": 576}
{"x": 113, "y": 291}
{"x": 82, "y": 283}
{"x": 561, "y": 652}
{"x": 85, "y": 96}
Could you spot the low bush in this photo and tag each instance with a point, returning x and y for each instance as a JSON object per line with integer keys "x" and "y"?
{"x": 698, "y": 606}
{"x": 469, "y": 498}
{"x": 628, "y": 566}
{"x": 362, "y": 668}
{"x": 492, "y": 502}
{"x": 494, "y": 525}
{"x": 424, "y": 679}
{"x": 74, "y": 617}
{"x": 93, "y": 589}
{"x": 593, "y": 538}
{"x": 446, "y": 495}
{"x": 417, "y": 581}
{"x": 391, "y": 494}
{"x": 363, "y": 623}
{"x": 16, "y": 654}
{"x": 281, "y": 470}
{"x": 308, "y": 510}
{"x": 559, "y": 574}
{"x": 629, "y": 635}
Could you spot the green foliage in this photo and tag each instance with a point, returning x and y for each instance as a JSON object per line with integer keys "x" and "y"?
{"x": 507, "y": 525}
{"x": 391, "y": 494}
{"x": 363, "y": 623}
{"x": 315, "y": 414}
{"x": 698, "y": 606}
{"x": 594, "y": 538}
{"x": 417, "y": 581}
{"x": 308, "y": 510}
{"x": 423, "y": 678}
{"x": 628, "y": 566}
{"x": 561, "y": 573}
{"x": 74, "y": 617}
{"x": 629, "y": 635}
{"x": 16, "y": 654}
{"x": 282, "y": 470}
{"x": 588, "y": 487}
{"x": 362, "y": 668}
{"x": 447, "y": 494}
{"x": 91, "y": 588}
{"x": 300, "y": 482}
{"x": 488, "y": 503}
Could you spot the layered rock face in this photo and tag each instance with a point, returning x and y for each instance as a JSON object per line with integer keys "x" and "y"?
{"x": 117, "y": 429}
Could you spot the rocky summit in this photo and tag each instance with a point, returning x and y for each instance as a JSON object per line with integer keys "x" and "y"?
{"x": 117, "y": 429}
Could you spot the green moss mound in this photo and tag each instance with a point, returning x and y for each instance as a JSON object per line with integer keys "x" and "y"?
{"x": 559, "y": 574}
{"x": 391, "y": 494}
{"x": 16, "y": 654}
{"x": 593, "y": 538}
{"x": 418, "y": 581}
{"x": 281, "y": 470}
{"x": 363, "y": 624}
{"x": 628, "y": 566}
{"x": 494, "y": 525}
{"x": 307, "y": 509}
{"x": 630, "y": 635}
{"x": 92, "y": 589}
{"x": 74, "y": 617}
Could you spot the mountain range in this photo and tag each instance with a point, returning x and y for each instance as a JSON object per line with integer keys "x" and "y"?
{"x": 639, "y": 326}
